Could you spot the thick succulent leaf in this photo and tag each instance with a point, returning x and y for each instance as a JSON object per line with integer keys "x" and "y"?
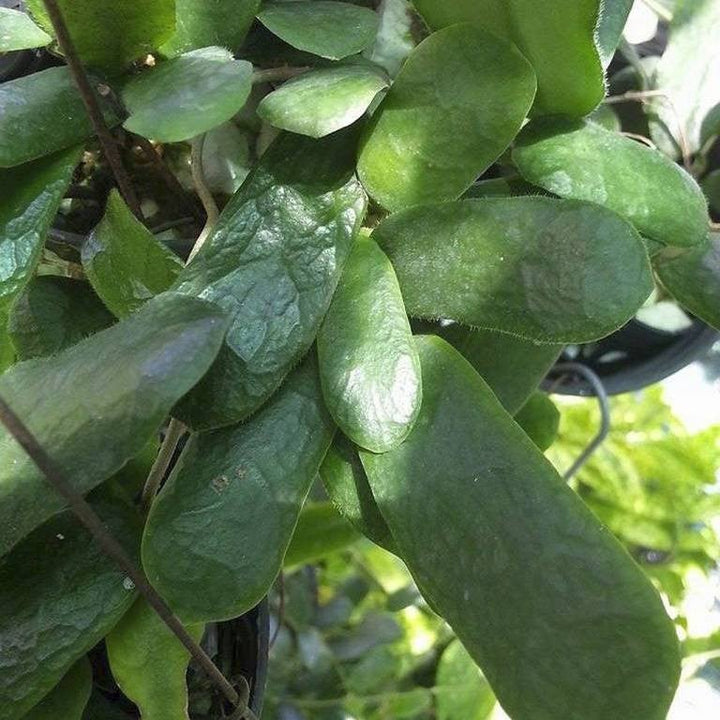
{"x": 67, "y": 700}
{"x": 347, "y": 487}
{"x": 187, "y": 95}
{"x": 581, "y": 160}
{"x": 110, "y": 34}
{"x": 124, "y": 263}
{"x": 200, "y": 23}
{"x": 217, "y": 534}
{"x": 53, "y": 313}
{"x": 330, "y": 29}
{"x": 687, "y": 75}
{"x": 533, "y": 267}
{"x": 320, "y": 531}
{"x": 395, "y": 37}
{"x": 322, "y": 101}
{"x": 42, "y": 113}
{"x": 60, "y": 594}
{"x": 540, "y": 419}
{"x": 536, "y": 589}
{"x": 273, "y": 262}
{"x": 369, "y": 368}
{"x": 19, "y": 32}
{"x": 612, "y": 19}
{"x": 119, "y": 383}
{"x": 692, "y": 277}
{"x": 431, "y": 138}
{"x": 511, "y": 366}
{"x": 569, "y": 72}
{"x": 149, "y": 663}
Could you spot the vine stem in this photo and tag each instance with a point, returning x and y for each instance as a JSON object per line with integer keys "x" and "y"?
{"x": 175, "y": 431}
{"x": 92, "y": 106}
{"x": 89, "y": 518}
{"x": 206, "y": 197}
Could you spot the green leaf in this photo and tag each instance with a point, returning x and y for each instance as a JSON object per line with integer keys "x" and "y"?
{"x": 581, "y": 160}
{"x": 187, "y": 95}
{"x": 32, "y": 196}
{"x": 320, "y": 531}
{"x": 710, "y": 185}
{"x": 430, "y": 139}
{"x": 540, "y": 594}
{"x": 273, "y": 261}
{"x": 569, "y": 73}
{"x": 395, "y": 39}
{"x": 60, "y": 595}
{"x": 53, "y": 313}
{"x": 611, "y": 22}
{"x": 320, "y": 102}
{"x": 19, "y": 32}
{"x": 217, "y": 534}
{"x": 149, "y": 663}
{"x": 533, "y": 267}
{"x": 124, "y": 263}
{"x": 42, "y": 113}
{"x": 110, "y": 34}
{"x": 67, "y": 700}
{"x": 511, "y": 366}
{"x": 540, "y": 419}
{"x": 461, "y": 690}
{"x": 692, "y": 277}
{"x": 226, "y": 158}
{"x": 332, "y": 30}
{"x": 369, "y": 368}
{"x": 120, "y": 384}
{"x": 347, "y": 487}
{"x": 201, "y": 23}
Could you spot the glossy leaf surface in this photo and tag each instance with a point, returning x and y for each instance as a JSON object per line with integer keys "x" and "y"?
{"x": 19, "y": 32}
{"x": 124, "y": 263}
{"x": 369, "y": 368}
{"x": 540, "y": 419}
{"x": 41, "y": 114}
{"x": 581, "y": 160}
{"x": 67, "y": 700}
{"x": 149, "y": 663}
{"x": 533, "y": 267}
{"x": 330, "y": 29}
{"x": 541, "y": 595}
{"x": 570, "y": 77}
{"x": 217, "y": 533}
{"x": 692, "y": 277}
{"x": 320, "y": 102}
{"x": 60, "y": 594}
{"x": 187, "y": 95}
{"x": 53, "y": 313}
{"x": 110, "y": 34}
{"x": 119, "y": 383}
{"x": 430, "y": 139}
{"x": 273, "y": 262}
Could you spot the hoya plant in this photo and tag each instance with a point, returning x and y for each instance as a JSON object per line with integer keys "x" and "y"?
{"x": 243, "y": 246}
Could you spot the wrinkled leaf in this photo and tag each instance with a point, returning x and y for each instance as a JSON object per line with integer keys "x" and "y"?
{"x": 692, "y": 277}
{"x": 430, "y": 138}
{"x": 60, "y": 594}
{"x": 570, "y": 76}
{"x": 612, "y": 19}
{"x": 273, "y": 262}
{"x": 124, "y": 263}
{"x": 581, "y": 160}
{"x": 217, "y": 534}
{"x": 201, "y": 23}
{"x": 540, "y": 594}
{"x": 332, "y": 30}
{"x": 540, "y": 419}
{"x": 187, "y": 95}
{"x": 67, "y": 700}
{"x": 53, "y": 313}
{"x": 149, "y": 663}
{"x": 42, "y": 113}
{"x": 19, "y": 32}
{"x": 533, "y": 267}
{"x": 119, "y": 384}
{"x": 369, "y": 368}
{"x": 110, "y": 34}
{"x": 320, "y": 102}
{"x": 347, "y": 487}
